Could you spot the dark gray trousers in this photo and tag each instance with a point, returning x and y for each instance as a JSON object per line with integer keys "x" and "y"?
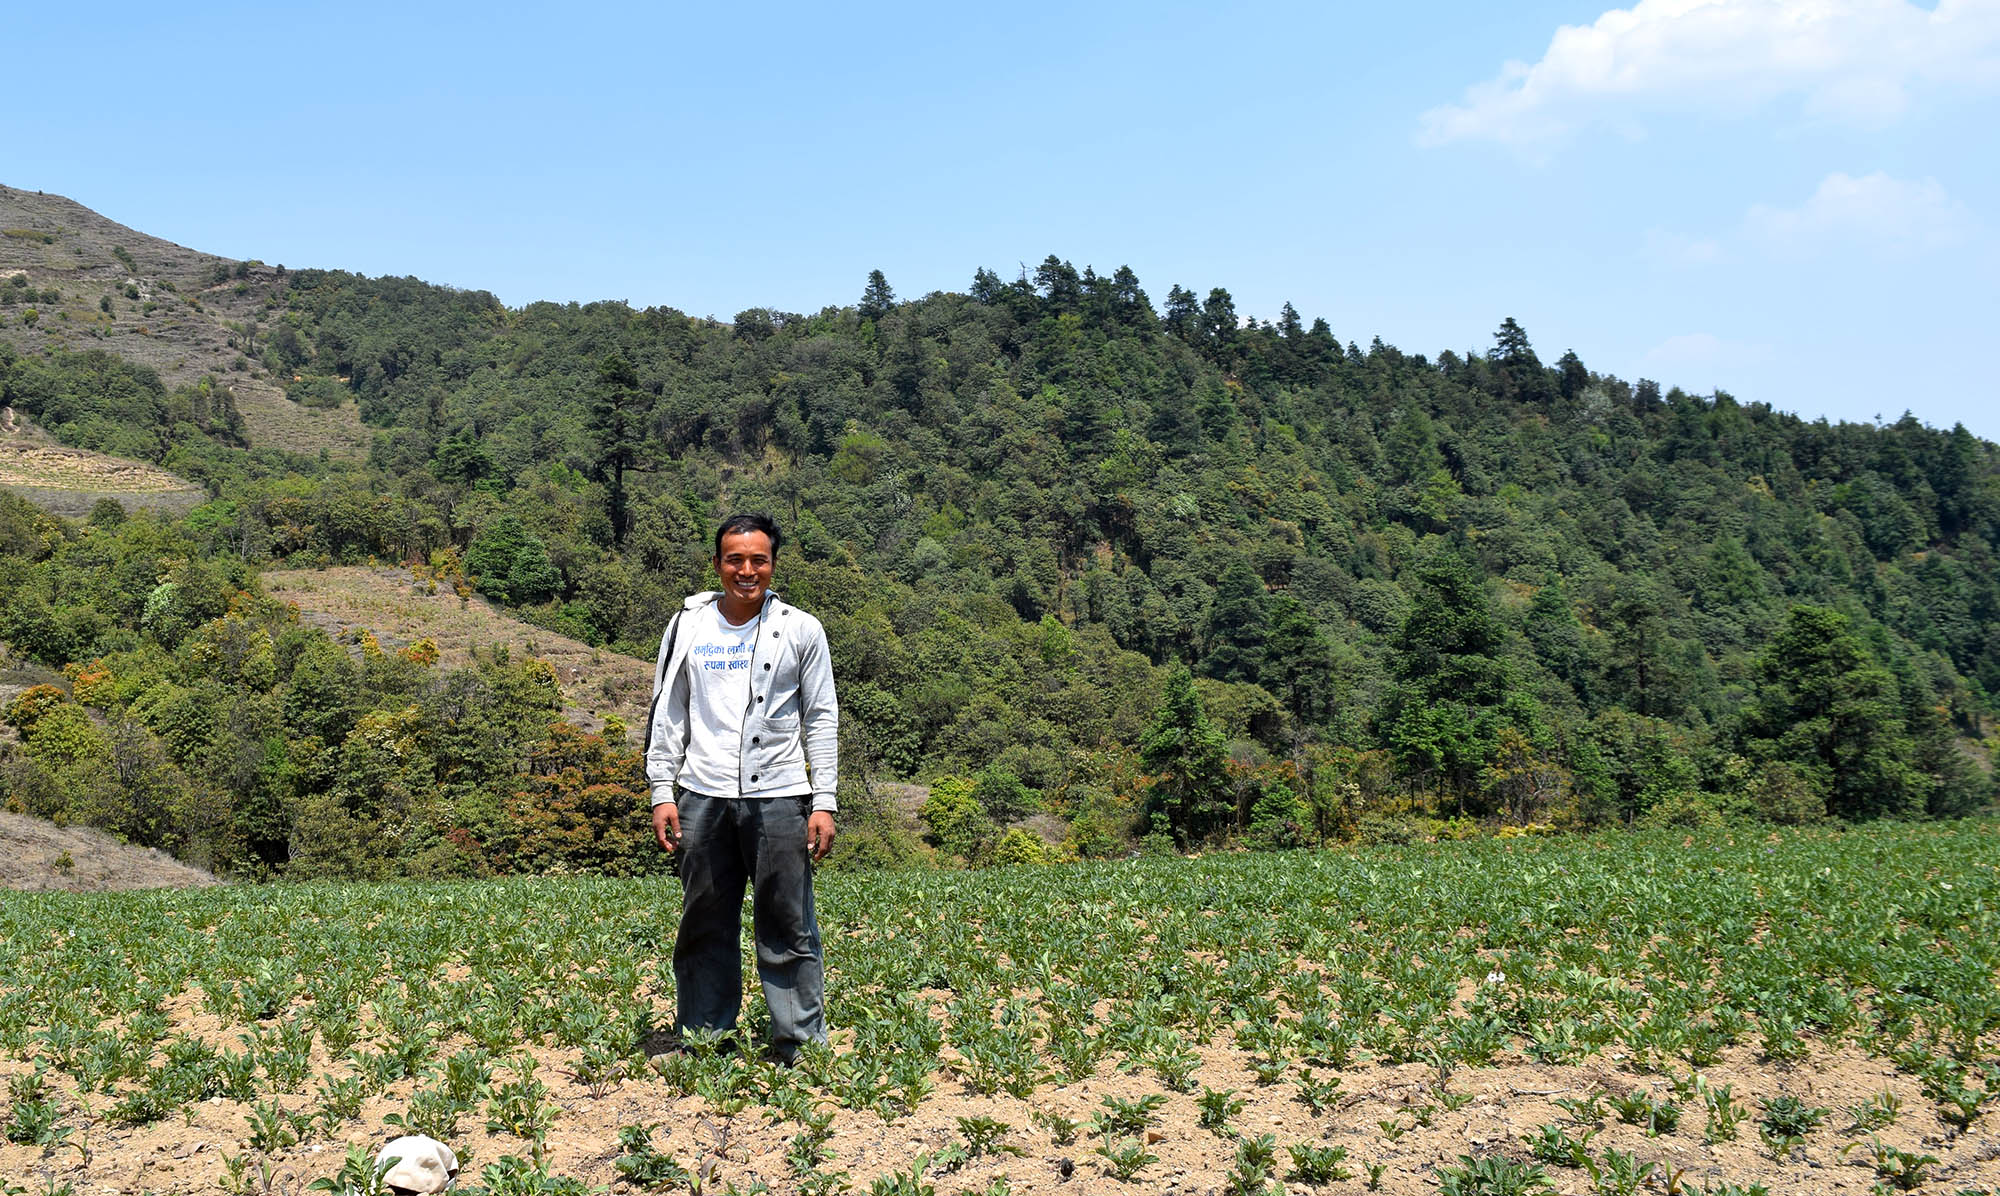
{"x": 726, "y": 844}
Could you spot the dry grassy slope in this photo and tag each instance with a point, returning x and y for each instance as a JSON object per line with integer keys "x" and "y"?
{"x": 37, "y": 855}
{"x": 400, "y": 610}
{"x": 59, "y": 243}
{"x": 69, "y": 481}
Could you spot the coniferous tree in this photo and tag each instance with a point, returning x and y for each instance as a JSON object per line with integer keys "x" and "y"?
{"x": 620, "y": 420}
{"x": 1239, "y": 623}
{"x": 1826, "y": 708}
{"x": 1184, "y": 754}
{"x": 877, "y": 299}
{"x": 1517, "y": 372}
{"x": 1183, "y": 317}
{"x": 1455, "y": 689}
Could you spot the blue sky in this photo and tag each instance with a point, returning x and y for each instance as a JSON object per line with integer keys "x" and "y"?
{"x": 1796, "y": 201}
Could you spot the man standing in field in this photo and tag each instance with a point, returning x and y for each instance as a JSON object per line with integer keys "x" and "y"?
{"x": 741, "y": 754}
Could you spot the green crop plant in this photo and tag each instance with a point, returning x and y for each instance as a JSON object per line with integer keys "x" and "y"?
{"x": 1173, "y": 1061}
{"x": 1783, "y": 1039}
{"x": 1958, "y": 1102}
{"x": 1658, "y": 1115}
{"x": 339, "y": 1101}
{"x": 432, "y": 1111}
{"x": 1554, "y": 1043}
{"x": 1724, "y": 1111}
{"x": 1903, "y": 1168}
{"x": 1034, "y": 986}
{"x": 985, "y": 1135}
{"x": 1061, "y": 1128}
{"x": 1251, "y": 1173}
{"x": 640, "y": 1165}
{"x": 1126, "y": 1116}
{"x": 1785, "y": 1123}
{"x": 1617, "y": 1173}
{"x": 909, "y": 1181}
{"x": 34, "y": 1119}
{"x": 1124, "y": 1158}
{"x": 520, "y": 1106}
{"x": 1551, "y": 1143}
{"x": 1217, "y": 1108}
{"x": 1491, "y": 1175}
{"x": 1588, "y": 1109}
{"x": 358, "y": 1175}
{"x": 1312, "y": 1164}
{"x": 1876, "y": 1113}
{"x": 272, "y": 1128}
{"x": 511, "y": 1175}
{"x": 1315, "y": 1093}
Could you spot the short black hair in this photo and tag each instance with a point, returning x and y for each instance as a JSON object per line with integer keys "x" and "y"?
{"x": 738, "y": 524}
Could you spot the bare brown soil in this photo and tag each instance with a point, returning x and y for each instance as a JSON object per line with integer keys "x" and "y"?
{"x": 1508, "y": 1101}
{"x": 36, "y": 855}
{"x": 399, "y": 609}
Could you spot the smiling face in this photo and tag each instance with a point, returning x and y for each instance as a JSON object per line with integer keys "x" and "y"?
{"x": 744, "y": 565}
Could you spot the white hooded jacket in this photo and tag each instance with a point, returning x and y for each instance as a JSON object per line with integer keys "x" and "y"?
{"x": 791, "y": 729}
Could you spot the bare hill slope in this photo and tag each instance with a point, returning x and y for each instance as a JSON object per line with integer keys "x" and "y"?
{"x": 37, "y": 855}
{"x": 185, "y": 313}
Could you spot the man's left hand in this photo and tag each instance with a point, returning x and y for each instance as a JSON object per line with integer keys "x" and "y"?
{"x": 819, "y": 834}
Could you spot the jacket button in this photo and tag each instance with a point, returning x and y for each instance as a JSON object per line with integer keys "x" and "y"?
{"x": 756, "y": 739}
{"x": 760, "y": 697}
{"x": 767, "y": 666}
{"x": 753, "y": 776}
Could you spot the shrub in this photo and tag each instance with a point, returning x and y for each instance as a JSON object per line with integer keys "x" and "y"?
{"x": 33, "y": 704}
{"x": 956, "y": 822}
{"x": 1278, "y": 819}
{"x": 1019, "y": 846}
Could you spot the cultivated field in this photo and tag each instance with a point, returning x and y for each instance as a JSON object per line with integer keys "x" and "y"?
{"x": 1811, "y": 1012}
{"x": 270, "y": 420}
{"x": 400, "y": 610}
{"x": 69, "y": 481}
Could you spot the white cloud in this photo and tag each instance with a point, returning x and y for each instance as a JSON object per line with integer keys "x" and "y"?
{"x": 1849, "y": 60}
{"x": 1874, "y": 213}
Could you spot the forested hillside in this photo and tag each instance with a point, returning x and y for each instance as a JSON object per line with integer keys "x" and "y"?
{"x": 1092, "y": 569}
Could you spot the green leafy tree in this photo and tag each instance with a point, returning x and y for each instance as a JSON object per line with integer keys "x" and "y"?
{"x": 956, "y": 822}
{"x": 510, "y": 565}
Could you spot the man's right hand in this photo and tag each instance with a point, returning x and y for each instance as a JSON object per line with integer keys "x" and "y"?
{"x": 667, "y": 825}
